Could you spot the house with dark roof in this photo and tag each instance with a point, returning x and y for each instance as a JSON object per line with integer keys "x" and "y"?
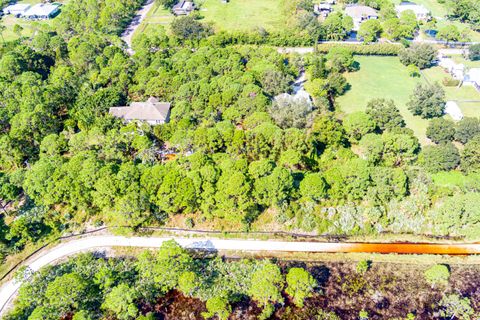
{"x": 183, "y": 8}
{"x": 151, "y": 111}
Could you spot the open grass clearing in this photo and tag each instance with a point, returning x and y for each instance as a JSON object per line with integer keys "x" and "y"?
{"x": 244, "y": 15}
{"x": 158, "y": 17}
{"x": 382, "y": 77}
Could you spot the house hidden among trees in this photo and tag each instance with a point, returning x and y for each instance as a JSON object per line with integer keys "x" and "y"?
{"x": 151, "y": 111}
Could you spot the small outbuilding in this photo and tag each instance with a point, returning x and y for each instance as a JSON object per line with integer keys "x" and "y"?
{"x": 42, "y": 11}
{"x": 183, "y": 8}
{"x": 151, "y": 111}
{"x": 17, "y": 9}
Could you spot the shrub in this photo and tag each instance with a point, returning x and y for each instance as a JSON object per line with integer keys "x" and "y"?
{"x": 381, "y": 49}
{"x": 440, "y": 130}
{"x": 437, "y": 274}
{"x": 474, "y": 52}
{"x": 450, "y": 82}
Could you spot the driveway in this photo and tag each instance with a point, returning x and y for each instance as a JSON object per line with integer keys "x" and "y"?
{"x": 92, "y": 243}
{"x": 127, "y": 35}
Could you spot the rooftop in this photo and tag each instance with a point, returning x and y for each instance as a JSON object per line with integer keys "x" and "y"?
{"x": 41, "y": 9}
{"x": 150, "y": 110}
{"x": 359, "y": 11}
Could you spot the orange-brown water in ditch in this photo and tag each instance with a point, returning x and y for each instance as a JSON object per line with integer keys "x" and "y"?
{"x": 410, "y": 248}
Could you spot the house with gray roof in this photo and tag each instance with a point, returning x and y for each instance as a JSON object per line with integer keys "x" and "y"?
{"x": 151, "y": 111}
{"x": 183, "y": 8}
{"x": 360, "y": 14}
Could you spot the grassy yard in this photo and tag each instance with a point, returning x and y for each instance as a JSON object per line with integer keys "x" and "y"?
{"x": 244, "y": 14}
{"x": 157, "y": 17}
{"x": 386, "y": 77}
{"x": 382, "y": 77}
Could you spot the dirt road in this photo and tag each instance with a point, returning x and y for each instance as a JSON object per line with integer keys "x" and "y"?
{"x": 92, "y": 243}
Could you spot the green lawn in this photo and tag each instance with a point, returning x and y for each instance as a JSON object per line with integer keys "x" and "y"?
{"x": 386, "y": 77}
{"x": 244, "y": 14}
{"x": 157, "y": 17}
{"x": 382, "y": 77}
{"x": 437, "y": 9}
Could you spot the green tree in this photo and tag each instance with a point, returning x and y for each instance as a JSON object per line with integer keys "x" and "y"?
{"x": 187, "y": 28}
{"x": 420, "y": 54}
{"x": 121, "y": 302}
{"x": 453, "y": 306}
{"x": 385, "y": 114}
{"x": 357, "y": 125}
{"x": 219, "y": 307}
{"x": 466, "y": 129}
{"x": 300, "y": 285}
{"x": 443, "y": 157}
{"x": 449, "y": 33}
{"x": 438, "y": 274}
{"x": 471, "y": 155}
{"x": 369, "y": 31}
{"x": 166, "y": 266}
{"x": 267, "y": 285}
{"x": 340, "y": 59}
{"x": 66, "y": 293}
{"x": 17, "y": 29}
{"x": 427, "y": 101}
{"x": 289, "y": 112}
{"x": 313, "y": 187}
{"x": 474, "y": 52}
{"x": 440, "y": 130}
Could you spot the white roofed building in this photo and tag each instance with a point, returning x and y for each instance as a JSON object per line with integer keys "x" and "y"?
{"x": 422, "y": 13}
{"x": 17, "y": 9}
{"x": 183, "y": 7}
{"x": 41, "y": 11}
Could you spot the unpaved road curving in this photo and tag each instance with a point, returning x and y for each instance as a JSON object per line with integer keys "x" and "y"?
{"x": 92, "y": 243}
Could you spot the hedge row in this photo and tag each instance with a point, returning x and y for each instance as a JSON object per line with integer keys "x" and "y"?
{"x": 382, "y": 49}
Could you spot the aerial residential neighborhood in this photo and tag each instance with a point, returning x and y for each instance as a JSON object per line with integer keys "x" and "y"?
{"x": 239, "y": 159}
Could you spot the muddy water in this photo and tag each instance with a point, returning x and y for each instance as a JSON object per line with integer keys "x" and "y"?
{"x": 409, "y": 248}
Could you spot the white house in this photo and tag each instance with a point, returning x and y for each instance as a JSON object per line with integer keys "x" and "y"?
{"x": 17, "y": 9}
{"x": 360, "y": 14}
{"x": 323, "y": 9}
{"x": 473, "y": 78}
{"x": 151, "y": 111}
{"x": 183, "y": 8}
{"x": 422, "y": 13}
{"x": 41, "y": 11}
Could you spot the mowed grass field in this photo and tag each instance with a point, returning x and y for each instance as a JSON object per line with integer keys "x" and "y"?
{"x": 244, "y": 14}
{"x": 382, "y": 77}
{"x": 157, "y": 17}
{"x": 386, "y": 77}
